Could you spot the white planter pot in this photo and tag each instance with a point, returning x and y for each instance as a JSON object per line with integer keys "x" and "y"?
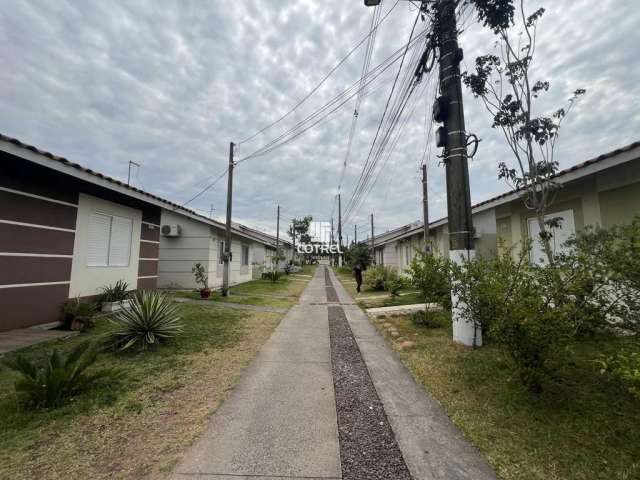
{"x": 114, "y": 306}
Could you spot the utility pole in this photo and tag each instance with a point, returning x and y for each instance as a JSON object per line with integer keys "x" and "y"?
{"x": 293, "y": 232}
{"x": 129, "y": 174}
{"x": 425, "y": 210}
{"x": 227, "y": 242}
{"x": 277, "y": 238}
{"x": 339, "y": 231}
{"x": 355, "y": 234}
{"x": 455, "y": 157}
{"x": 211, "y": 211}
{"x": 333, "y": 257}
{"x": 373, "y": 245}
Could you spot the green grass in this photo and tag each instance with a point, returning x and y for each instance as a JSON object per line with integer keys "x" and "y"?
{"x": 582, "y": 427}
{"x": 376, "y": 298}
{"x": 138, "y": 424}
{"x": 281, "y": 294}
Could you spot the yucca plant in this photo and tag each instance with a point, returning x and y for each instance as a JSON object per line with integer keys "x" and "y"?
{"x": 151, "y": 318}
{"x": 58, "y": 379}
{"x": 114, "y": 293}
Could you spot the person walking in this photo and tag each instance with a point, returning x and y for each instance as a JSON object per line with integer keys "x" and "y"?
{"x": 357, "y": 273}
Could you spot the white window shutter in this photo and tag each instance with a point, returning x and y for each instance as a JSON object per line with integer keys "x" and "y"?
{"x": 120, "y": 247}
{"x": 98, "y": 240}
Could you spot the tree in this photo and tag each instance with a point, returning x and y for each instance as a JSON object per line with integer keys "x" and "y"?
{"x": 508, "y": 92}
{"x": 358, "y": 254}
{"x": 299, "y": 230}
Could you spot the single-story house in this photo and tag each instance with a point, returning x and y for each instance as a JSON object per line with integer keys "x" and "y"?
{"x": 190, "y": 240}
{"x": 602, "y": 191}
{"x": 67, "y": 231}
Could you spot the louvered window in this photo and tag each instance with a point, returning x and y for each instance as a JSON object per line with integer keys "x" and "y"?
{"x": 109, "y": 240}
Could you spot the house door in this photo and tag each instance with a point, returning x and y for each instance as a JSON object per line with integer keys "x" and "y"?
{"x": 560, "y": 235}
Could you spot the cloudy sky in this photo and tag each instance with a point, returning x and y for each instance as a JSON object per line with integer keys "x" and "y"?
{"x": 169, "y": 84}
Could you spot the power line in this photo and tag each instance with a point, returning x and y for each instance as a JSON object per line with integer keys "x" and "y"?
{"x": 340, "y": 99}
{"x": 356, "y": 112}
{"x": 397, "y": 108}
{"x": 208, "y": 187}
{"x": 324, "y": 79}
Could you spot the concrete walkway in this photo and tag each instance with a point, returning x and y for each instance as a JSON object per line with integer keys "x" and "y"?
{"x": 280, "y": 421}
{"x": 25, "y": 337}
{"x": 432, "y": 446}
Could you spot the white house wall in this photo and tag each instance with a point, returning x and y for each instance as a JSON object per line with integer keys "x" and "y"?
{"x": 86, "y": 280}
{"x": 179, "y": 254}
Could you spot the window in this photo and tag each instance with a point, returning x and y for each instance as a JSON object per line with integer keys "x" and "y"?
{"x": 109, "y": 240}
{"x": 407, "y": 250}
{"x": 245, "y": 255}
{"x": 221, "y": 252}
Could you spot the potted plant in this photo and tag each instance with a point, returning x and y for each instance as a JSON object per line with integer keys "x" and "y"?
{"x": 114, "y": 297}
{"x": 78, "y": 315}
{"x": 202, "y": 279}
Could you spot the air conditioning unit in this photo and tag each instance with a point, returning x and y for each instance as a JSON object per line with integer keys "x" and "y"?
{"x": 170, "y": 230}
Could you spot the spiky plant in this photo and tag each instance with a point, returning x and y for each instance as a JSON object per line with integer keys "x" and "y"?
{"x": 58, "y": 379}
{"x": 114, "y": 293}
{"x": 150, "y": 319}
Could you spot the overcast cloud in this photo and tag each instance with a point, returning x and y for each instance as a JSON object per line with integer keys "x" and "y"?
{"x": 169, "y": 84}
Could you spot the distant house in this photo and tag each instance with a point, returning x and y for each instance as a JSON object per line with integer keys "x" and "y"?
{"x": 602, "y": 191}
{"x": 67, "y": 231}
{"x": 196, "y": 239}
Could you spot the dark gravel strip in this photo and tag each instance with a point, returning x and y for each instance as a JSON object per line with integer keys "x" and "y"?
{"x": 332, "y": 296}
{"x": 368, "y": 447}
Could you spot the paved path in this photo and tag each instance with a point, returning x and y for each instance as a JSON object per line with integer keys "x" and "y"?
{"x": 237, "y": 306}
{"x": 280, "y": 422}
{"x": 25, "y": 337}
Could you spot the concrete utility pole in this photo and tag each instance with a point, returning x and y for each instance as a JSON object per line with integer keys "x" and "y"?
{"x": 293, "y": 231}
{"x": 425, "y": 210}
{"x": 373, "y": 245}
{"x": 277, "y": 237}
{"x": 355, "y": 234}
{"x": 333, "y": 257}
{"x": 227, "y": 242}
{"x": 455, "y": 157}
{"x": 339, "y": 231}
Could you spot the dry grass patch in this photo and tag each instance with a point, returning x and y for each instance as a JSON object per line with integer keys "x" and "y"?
{"x": 139, "y": 427}
{"x": 582, "y": 427}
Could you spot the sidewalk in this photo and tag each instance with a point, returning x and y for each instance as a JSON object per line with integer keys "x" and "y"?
{"x": 432, "y": 446}
{"x": 280, "y": 421}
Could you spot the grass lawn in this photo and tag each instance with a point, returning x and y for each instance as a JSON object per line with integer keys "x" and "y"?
{"x": 138, "y": 426}
{"x": 371, "y": 298}
{"x": 582, "y": 427}
{"x": 283, "y": 294}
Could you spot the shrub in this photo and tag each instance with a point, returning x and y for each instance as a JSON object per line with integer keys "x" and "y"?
{"x": 114, "y": 293}
{"x": 75, "y": 309}
{"x": 379, "y": 277}
{"x": 601, "y": 273}
{"x": 430, "y": 318}
{"x": 522, "y": 307}
{"x": 152, "y": 318}
{"x": 430, "y": 275}
{"x": 58, "y": 379}
{"x": 358, "y": 254}
{"x": 273, "y": 275}
{"x": 393, "y": 286}
{"x": 625, "y": 367}
{"x": 200, "y": 273}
